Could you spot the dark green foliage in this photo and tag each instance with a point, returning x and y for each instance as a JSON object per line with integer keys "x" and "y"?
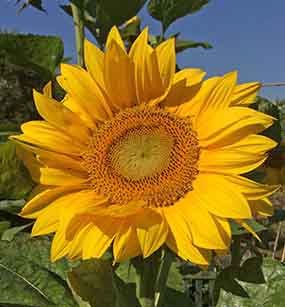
{"x": 16, "y": 103}
{"x": 26, "y": 62}
{"x": 15, "y": 181}
{"x": 266, "y": 106}
{"x": 93, "y": 282}
{"x": 42, "y": 54}
{"x": 251, "y": 271}
{"x": 11, "y": 206}
{"x": 226, "y": 280}
{"x": 269, "y": 294}
{"x": 97, "y": 282}
{"x": 27, "y": 278}
{"x": 112, "y": 12}
{"x": 167, "y": 11}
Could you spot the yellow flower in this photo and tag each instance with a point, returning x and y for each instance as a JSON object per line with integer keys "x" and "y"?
{"x": 138, "y": 156}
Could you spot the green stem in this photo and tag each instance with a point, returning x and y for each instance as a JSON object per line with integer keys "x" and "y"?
{"x": 78, "y": 20}
{"x": 160, "y": 286}
{"x": 146, "y": 275}
{"x": 236, "y": 252}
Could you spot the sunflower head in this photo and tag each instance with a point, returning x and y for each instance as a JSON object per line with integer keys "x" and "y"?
{"x": 138, "y": 155}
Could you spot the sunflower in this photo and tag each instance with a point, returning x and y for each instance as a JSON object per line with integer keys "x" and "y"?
{"x": 137, "y": 156}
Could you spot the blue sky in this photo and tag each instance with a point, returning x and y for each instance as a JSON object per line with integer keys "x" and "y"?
{"x": 247, "y": 35}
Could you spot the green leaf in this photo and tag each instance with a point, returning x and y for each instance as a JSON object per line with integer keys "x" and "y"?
{"x": 226, "y": 280}
{"x": 40, "y": 53}
{"x": 175, "y": 292}
{"x": 167, "y": 11}
{"x": 119, "y": 11}
{"x": 15, "y": 181}
{"x": 182, "y": 45}
{"x": 27, "y": 277}
{"x": 4, "y": 225}
{"x": 9, "y": 234}
{"x": 270, "y": 294}
{"x": 125, "y": 293}
{"x": 239, "y": 230}
{"x": 93, "y": 282}
{"x": 12, "y": 206}
{"x": 251, "y": 271}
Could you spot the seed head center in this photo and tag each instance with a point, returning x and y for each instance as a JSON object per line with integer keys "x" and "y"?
{"x": 138, "y": 155}
{"x": 143, "y": 154}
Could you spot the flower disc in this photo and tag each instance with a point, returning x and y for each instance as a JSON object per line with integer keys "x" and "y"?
{"x": 143, "y": 153}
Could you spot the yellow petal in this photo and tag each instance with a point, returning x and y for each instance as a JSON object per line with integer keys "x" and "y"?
{"x": 40, "y": 201}
{"x": 151, "y": 231}
{"x": 47, "y": 90}
{"x": 238, "y": 158}
{"x": 147, "y": 75}
{"x": 60, "y": 211}
{"x": 182, "y": 247}
{"x": 245, "y": 94}
{"x": 30, "y": 162}
{"x": 59, "y": 246}
{"x": 250, "y": 189}
{"x": 166, "y": 62}
{"x": 214, "y": 95}
{"x": 117, "y": 63}
{"x": 114, "y": 35}
{"x": 46, "y": 158}
{"x": 261, "y": 207}
{"x": 186, "y": 85}
{"x": 213, "y": 234}
{"x": 120, "y": 211}
{"x": 230, "y": 125}
{"x": 191, "y": 76}
{"x": 70, "y": 206}
{"x": 72, "y": 104}
{"x": 79, "y": 84}
{"x": 48, "y": 219}
{"x": 57, "y": 177}
{"x": 43, "y": 135}
{"x": 99, "y": 238}
{"x": 193, "y": 107}
{"x": 94, "y": 60}
{"x": 219, "y": 197}
{"x": 221, "y": 95}
{"x": 179, "y": 238}
{"x": 217, "y": 98}
{"x": 126, "y": 244}
{"x": 61, "y": 117}
{"x": 55, "y": 160}
{"x": 76, "y": 245}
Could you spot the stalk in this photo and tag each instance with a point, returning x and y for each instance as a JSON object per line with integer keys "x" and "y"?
{"x": 78, "y": 20}
{"x": 273, "y": 84}
{"x": 160, "y": 286}
{"x": 146, "y": 275}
